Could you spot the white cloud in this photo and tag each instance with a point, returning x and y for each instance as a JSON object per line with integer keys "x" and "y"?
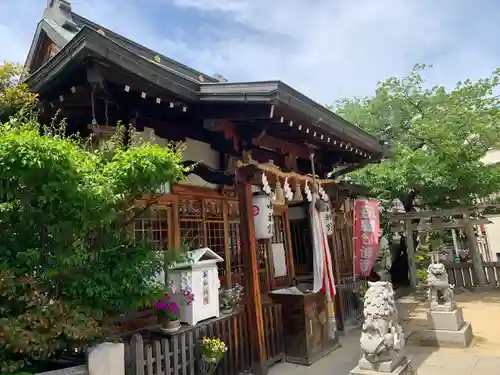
{"x": 327, "y": 49}
{"x": 337, "y": 48}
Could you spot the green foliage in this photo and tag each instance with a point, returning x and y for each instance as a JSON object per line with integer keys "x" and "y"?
{"x": 67, "y": 259}
{"x": 430, "y": 242}
{"x": 438, "y": 137}
{"x": 15, "y": 98}
{"x": 33, "y": 325}
{"x": 422, "y": 275}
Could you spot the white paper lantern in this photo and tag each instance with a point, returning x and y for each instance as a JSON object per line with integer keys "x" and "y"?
{"x": 262, "y": 211}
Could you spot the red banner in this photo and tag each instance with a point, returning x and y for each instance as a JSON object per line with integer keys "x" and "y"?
{"x": 366, "y": 235}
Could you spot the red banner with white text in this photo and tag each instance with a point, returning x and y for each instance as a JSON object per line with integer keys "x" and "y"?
{"x": 366, "y": 235}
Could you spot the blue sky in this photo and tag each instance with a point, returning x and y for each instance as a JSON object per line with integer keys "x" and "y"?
{"x": 328, "y": 49}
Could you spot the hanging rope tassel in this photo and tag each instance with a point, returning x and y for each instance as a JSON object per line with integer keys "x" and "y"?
{"x": 328, "y": 284}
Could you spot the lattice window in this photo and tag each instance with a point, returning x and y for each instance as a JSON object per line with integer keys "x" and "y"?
{"x": 215, "y": 230}
{"x": 152, "y": 227}
{"x": 262, "y": 259}
{"x": 191, "y": 222}
{"x": 279, "y": 230}
{"x": 234, "y": 243}
{"x": 213, "y": 209}
{"x": 301, "y": 238}
{"x": 190, "y": 208}
{"x": 193, "y": 232}
{"x": 202, "y": 225}
{"x": 216, "y": 236}
{"x": 214, "y": 226}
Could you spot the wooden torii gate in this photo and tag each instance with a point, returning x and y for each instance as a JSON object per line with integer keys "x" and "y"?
{"x": 433, "y": 220}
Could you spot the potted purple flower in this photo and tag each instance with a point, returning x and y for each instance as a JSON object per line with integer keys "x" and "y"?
{"x": 168, "y": 314}
{"x": 188, "y": 295}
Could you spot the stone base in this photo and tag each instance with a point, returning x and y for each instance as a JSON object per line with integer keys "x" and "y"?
{"x": 383, "y": 366}
{"x": 447, "y": 307}
{"x": 404, "y": 368}
{"x": 445, "y": 320}
{"x": 461, "y": 338}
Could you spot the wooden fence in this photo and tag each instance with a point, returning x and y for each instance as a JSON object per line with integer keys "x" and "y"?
{"x": 154, "y": 353}
{"x": 462, "y": 274}
{"x": 350, "y": 309}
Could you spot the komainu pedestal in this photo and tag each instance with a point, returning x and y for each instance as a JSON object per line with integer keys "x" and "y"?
{"x": 445, "y": 321}
{"x": 382, "y": 338}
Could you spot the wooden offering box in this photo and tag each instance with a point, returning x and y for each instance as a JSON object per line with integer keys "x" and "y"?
{"x": 305, "y": 328}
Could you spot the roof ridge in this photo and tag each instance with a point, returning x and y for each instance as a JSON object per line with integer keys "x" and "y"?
{"x": 60, "y": 12}
{"x": 86, "y": 22}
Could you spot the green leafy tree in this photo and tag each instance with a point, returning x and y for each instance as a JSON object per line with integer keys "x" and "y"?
{"x": 67, "y": 259}
{"x": 15, "y": 97}
{"x": 438, "y": 137}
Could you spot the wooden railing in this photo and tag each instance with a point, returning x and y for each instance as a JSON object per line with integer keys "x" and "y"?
{"x": 154, "y": 353}
{"x": 462, "y": 274}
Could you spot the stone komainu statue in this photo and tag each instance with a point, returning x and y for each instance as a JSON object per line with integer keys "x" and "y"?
{"x": 440, "y": 291}
{"x": 382, "y": 337}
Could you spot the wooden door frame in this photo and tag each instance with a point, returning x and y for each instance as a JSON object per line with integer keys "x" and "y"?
{"x": 282, "y": 211}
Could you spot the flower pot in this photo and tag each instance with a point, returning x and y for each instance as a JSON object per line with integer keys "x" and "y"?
{"x": 208, "y": 365}
{"x": 226, "y": 311}
{"x": 170, "y": 326}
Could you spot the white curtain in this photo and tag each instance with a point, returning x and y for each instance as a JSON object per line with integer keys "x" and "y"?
{"x": 322, "y": 262}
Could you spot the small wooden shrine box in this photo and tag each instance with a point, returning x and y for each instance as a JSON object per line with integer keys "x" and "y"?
{"x": 305, "y": 327}
{"x": 200, "y": 276}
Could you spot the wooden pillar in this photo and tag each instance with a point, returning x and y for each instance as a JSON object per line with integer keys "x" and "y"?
{"x": 456, "y": 248}
{"x": 336, "y": 271}
{"x": 477, "y": 260}
{"x": 227, "y": 251}
{"x": 175, "y": 228}
{"x": 251, "y": 269}
{"x": 410, "y": 250}
{"x": 289, "y": 249}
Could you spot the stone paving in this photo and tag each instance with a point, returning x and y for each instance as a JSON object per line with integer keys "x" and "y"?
{"x": 482, "y": 358}
{"x": 426, "y": 361}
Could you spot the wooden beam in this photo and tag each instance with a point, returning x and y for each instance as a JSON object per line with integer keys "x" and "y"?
{"x": 429, "y": 214}
{"x": 254, "y": 172}
{"x": 281, "y": 146}
{"x": 191, "y": 190}
{"x": 460, "y": 223}
{"x": 251, "y": 268}
{"x": 233, "y": 111}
